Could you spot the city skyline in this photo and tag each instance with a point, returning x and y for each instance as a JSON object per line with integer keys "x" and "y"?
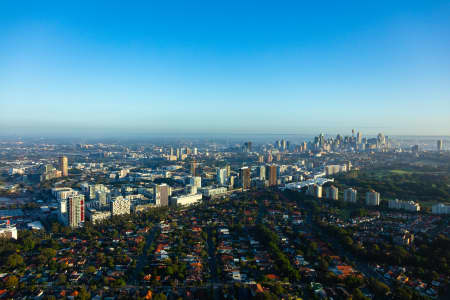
{"x": 106, "y": 69}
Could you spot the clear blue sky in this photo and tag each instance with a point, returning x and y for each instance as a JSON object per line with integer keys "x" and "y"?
{"x": 225, "y": 66}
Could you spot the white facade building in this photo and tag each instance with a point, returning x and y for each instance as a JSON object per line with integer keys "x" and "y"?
{"x": 197, "y": 181}
{"x": 440, "y": 209}
{"x": 186, "y": 199}
{"x": 406, "y": 205}
{"x": 372, "y": 198}
{"x": 8, "y": 231}
{"x": 350, "y": 195}
{"x": 211, "y": 192}
{"x": 120, "y": 206}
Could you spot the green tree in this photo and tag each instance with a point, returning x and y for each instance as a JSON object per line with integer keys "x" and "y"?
{"x": 11, "y": 282}
{"x": 14, "y": 260}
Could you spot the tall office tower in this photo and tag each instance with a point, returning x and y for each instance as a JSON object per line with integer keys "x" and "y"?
{"x": 76, "y": 211}
{"x": 440, "y": 145}
{"x": 269, "y": 157}
{"x": 194, "y": 168}
{"x": 262, "y": 172}
{"x": 171, "y": 151}
{"x": 190, "y": 189}
{"x": 63, "y": 165}
{"x": 102, "y": 198}
{"x": 321, "y": 139}
{"x": 260, "y": 158}
{"x": 372, "y": 198}
{"x": 248, "y": 146}
{"x": 221, "y": 176}
{"x": 245, "y": 178}
{"x": 288, "y": 145}
{"x": 228, "y": 170}
{"x": 196, "y": 180}
{"x": 332, "y": 193}
{"x": 161, "y": 194}
{"x": 178, "y": 153}
{"x": 283, "y": 144}
{"x": 195, "y": 151}
{"x": 381, "y": 139}
{"x": 231, "y": 183}
{"x": 350, "y": 195}
{"x": 120, "y": 206}
{"x": 278, "y": 144}
{"x": 359, "y": 138}
{"x": 272, "y": 174}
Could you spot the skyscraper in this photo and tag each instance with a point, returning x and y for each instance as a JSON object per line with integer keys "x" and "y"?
{"x": 272, "y": 172}
{"x": 245, "y": 178}
{"x": 359, "y": 138}
{"x": 161, "y": 194}
{"x": 194, "y": 167}
{"x": 63, "y": 165}
{"x": 440, "y": 145}
{"x": 76, "y": 211}
{"x": 221, "y": 176}
{"x": 262, "y": 172}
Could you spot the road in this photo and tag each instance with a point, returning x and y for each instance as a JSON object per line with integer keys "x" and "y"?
{"x": 142, "y": 259}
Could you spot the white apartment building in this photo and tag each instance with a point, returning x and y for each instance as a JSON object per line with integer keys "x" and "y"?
{"x": 120, "y": 206}
{"x": 350, "y": 195}
{"x": 186, "y": 199}
{"x": 372, "y": 198}
{"x": 211, "y": 192}
{"x": 406, "y": 205}
{"x": 440, "y": 209}
{"x": 332, "y": 193}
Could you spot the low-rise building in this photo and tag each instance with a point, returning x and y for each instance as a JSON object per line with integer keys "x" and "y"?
{"x": 8, "y": 231}
{"x": 211, "y": 192}
{"x": 186, "y": 199}
{"x": 440, "y": 209}
{"x": 406, "y": 205}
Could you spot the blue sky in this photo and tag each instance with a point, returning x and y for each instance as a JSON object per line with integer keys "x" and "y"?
{"x": 225, "y": 67}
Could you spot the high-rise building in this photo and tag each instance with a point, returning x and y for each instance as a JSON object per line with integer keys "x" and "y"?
{"x": 269, "y": 157}
{"x": 63, "y": 166}
{"x": 194, "y": 168}
{"x": 161, "y": 194}
{"x": 272, "y": 174}
{"x": 245, "y": 178}
{"x": 350, "y": 195}
{"x": 332, "y": 193}
{"x": 221, "y": 176}
{"x": 120, "y": 206}
{"x": 228, "y": 170}
{"x": 262, "y": 172}
{"x": 76, "y": 211}
{"x": 440, "y": 145}
{"x": 372, "y": 198}
{"x": 359, "y": 138}
{"x": 102, "y": 198}
{"x": 196, "y": 180}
